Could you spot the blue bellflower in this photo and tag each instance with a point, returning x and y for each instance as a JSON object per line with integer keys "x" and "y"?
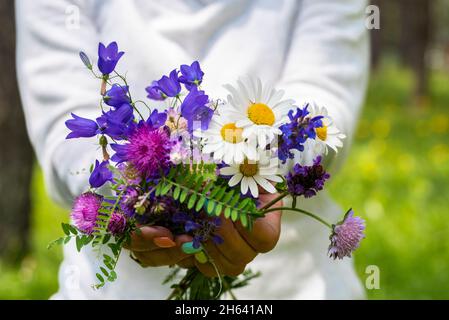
{"x": 116, "y": 96}
{"x": 157, "y": 119}
{"x": 100, "y": 175}
{"x": 81, "y": 127}
{"x": 194, "y": 109}
{"x": 108, "y": 57}
{"x": 192, "y": 75}
{"x": 154, "y": 93}
{"x": 170, "y": 85}
{"x": 114, "y": 123}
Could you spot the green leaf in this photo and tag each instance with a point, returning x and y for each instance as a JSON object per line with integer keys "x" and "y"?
{"x": 100, "y": 277}
{"x": 105, "y": 272}
{"x": 218, "y": 209}
{"x": 210, "y": 207}
{"x": 200, "y": 203}
{"x": 73, "y": 230}
{"x": 234, "y": 215}
{"x": 79, "y": 243}
{"x": 192, "y": 201}
{"x": 106, "y": 238}
{"x": 65, "y": 228}
{"x": 183, "y": 196}
{"x": 176, "y": 193}
{"x": 244, "y": 203}
{"x": 165, "y": 189}
{"x": 227, "y": 212}
{"x": 234, "y": 200}
{"x": 244, "y": 220}
{"x": 228, "y": 196}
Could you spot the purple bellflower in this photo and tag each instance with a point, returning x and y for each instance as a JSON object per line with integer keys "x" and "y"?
{"x": 154, "y": 93}
{"x": 192, "y": 75}
{"x": 100, "y": 175}
{"x": 117, "y": 96}
{"x": 108, "y": 57}
{"x": 170, "y": 85}
{"x": 195, "y": 110}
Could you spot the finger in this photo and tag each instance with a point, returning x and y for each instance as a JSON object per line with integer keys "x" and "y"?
{"x": 234, "y": 247}
{"x": 187, "y": 263}
{"x": 160, "y": 257}
{"x": 144, "y": 240}
{"x": 266, "y": 231}
{"x": 223, "y": 265}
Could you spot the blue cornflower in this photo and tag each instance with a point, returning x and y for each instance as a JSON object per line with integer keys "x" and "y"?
{"x": 100, "y": 175}
{"x": 195, "y": 110}
{"x": 154, "y": 93}
{"x": 170, "y": 85}
{"x": 108, "y": 57}
{"x": 296, "y": 132}
{"x": 191, "y": 75}
{"x": 116, "y": 96}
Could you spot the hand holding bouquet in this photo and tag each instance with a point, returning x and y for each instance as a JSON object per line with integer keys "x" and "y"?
{"x": 204, "y": 179}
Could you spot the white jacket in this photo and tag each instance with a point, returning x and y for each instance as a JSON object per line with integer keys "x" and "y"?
{"x": 313, "y": 49}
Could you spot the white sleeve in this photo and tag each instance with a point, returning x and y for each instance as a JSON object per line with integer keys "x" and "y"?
{"x": 53, "y": 82}
{"x": 328, "y": 59}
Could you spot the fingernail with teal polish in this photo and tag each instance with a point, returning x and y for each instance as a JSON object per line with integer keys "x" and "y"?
{"x": 188, "y": 248}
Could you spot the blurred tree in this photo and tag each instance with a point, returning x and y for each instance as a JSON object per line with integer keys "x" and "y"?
{"x": 415, "y": 39}
{"x": 16, "y": 155}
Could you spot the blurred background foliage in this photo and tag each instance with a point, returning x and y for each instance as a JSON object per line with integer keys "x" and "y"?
{"x": 396, "y": 174}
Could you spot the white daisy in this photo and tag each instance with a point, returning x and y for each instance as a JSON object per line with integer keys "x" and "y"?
{"x": 327, "y": 136}
{"x": 225, "y": 140}
{"x": 250, "y": 174}
{"x": 259, "y": 110}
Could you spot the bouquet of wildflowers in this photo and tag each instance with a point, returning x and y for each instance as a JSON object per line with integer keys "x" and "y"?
{"x": 199, "y": 161}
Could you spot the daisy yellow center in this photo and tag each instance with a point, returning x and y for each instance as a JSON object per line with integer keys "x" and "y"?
{"x": 248, "y": 169}
{"x": 261, "y": 114}
{"x": 232, "y": 134}
{"x": 322, "y": 133}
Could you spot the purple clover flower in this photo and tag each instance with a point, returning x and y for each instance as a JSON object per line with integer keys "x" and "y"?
{"x": 129, "y": 200}
{"x": 100, "y": 175}
{"x": 117, "y": 224}
{"x": 296, "y": 132}
{"x": 148, "y": 150}
{"x": 307, "y": 180}
{"x": 85, "y": 211}
{"x": 346, "y": 236}
{"x": 108, "y": 57}
{"x": 192, "y": 75}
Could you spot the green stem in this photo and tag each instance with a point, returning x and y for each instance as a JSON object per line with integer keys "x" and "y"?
{"x": 269, "y": 204}
{"x": 327, "y": 224}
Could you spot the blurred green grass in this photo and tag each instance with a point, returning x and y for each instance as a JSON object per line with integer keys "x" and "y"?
{"x": 395, "y": 176}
